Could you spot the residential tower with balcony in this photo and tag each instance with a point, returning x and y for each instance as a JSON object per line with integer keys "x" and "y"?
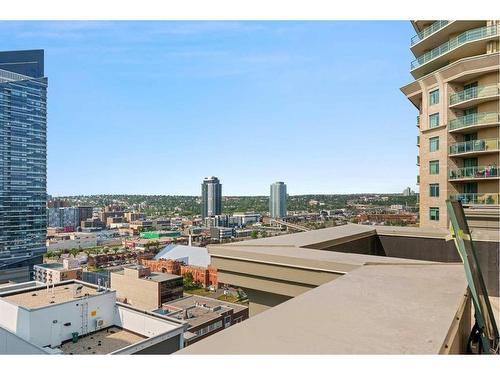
{"x": 456, "y": 91}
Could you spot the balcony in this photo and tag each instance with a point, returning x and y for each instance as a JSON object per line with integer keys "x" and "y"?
{"x": 451, "y": 50}
{"x": 418, "y": 121}
{"x": 438, "y": 25}
{"x": 418, "y": 161}
{"x": 475, "y": 120}
{"x": 470, "y": 148}
{"x": 474, "y": 96}
{"x": 477, "y": 198}
{"x": 473, "y": 173}
{"x": 418, "y": 141}
{"x": 418, "y": 179}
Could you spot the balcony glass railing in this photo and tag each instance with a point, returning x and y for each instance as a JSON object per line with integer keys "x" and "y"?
{"x": 418, "y": 121}
{"x": 418, "y": 179}
{"x": 418, "y": 141}
{"x": 473, "y": 119}
{"x": 473, "y": 146}
{"x": 490, "y": 171}
{"x": 477, "y": 198}
{"x": 468, "y": 36}
{"x": 428, "y": 31}
{"x": 418, "y": 160}
{"x": 474, "y": 93}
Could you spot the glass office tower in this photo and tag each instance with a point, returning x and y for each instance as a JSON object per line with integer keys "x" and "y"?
{"x": 277, "y": 200}
{"x": 211, "y": 197}
{"x": 23, "y": 158}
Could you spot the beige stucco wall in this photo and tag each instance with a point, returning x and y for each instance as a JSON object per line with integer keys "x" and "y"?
{"x": 139, "y": 293}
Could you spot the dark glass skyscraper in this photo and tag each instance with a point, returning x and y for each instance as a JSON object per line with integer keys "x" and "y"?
{"x": 23, "y": 158}
{"x": 211, "y": 197}
{"x": 277, "y": 200}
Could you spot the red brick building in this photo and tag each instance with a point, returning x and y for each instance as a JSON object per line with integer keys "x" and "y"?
{"x": 204, "y": 276}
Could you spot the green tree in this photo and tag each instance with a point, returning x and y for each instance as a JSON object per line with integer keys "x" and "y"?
{"x": 188, "y": 280}
{"x": 254, "y": 234}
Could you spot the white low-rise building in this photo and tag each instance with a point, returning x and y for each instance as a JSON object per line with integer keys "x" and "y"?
{"x": 75, "y": 317}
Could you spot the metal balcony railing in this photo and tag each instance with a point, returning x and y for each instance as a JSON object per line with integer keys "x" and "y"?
{"x": 477, "y": 198}
{"x": 438, "y": 25}
{"x": 473, "y": 119}
{"x": 468, "y": 36}
{"x": 474, "y": 93}
{"x": 490, "y": 171}
{"x": 492, "y": 144}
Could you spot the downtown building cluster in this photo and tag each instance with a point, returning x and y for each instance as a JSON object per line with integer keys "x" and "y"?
{"x": 358, "y": 279}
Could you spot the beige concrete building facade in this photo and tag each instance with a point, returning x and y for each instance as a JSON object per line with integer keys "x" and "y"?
{"x": 456, "y": 91}
{"x": 139, "y": 287}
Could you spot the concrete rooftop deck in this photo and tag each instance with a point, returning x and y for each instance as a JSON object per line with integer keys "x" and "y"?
{"x": 42, "y": 297}
{"x": 375, "y": 309}
{"x": 292, "y": 250}
{"x": 102, "y": 342}
{"x": 332, "y": 236}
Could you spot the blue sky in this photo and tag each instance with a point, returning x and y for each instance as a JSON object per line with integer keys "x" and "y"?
{"x": 153, "y": 107}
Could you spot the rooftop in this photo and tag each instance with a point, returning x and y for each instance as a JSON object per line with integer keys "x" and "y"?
{"x": 42, "y": 297}
{"x": 157, "y": 277}
{"x": 105, "y": 341}
{"x": 380, "y": 308}
{"x": 200, "y": 309}
{"x": 191, "y": 255}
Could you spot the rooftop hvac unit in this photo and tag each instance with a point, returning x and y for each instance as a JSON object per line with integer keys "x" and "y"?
{"x": 99, "y": 323}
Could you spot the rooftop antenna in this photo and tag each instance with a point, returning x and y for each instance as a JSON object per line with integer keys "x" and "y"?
{"x": 484, "y": 338}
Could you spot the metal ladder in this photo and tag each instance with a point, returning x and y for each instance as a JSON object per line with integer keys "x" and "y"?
{"x": 84, "y": 316}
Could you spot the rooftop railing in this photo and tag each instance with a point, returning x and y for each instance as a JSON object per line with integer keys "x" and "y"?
{"x": 474, "y": 146}
{"x": 477, "y": 198}
{"x": 473, "y": 172}
{"x": 438, "y": 25}
{"x": 7, "y": 76}
{"x": 468, "y": 36}
{"x": 474, "y": 93}
{"x": 473, "y": 119}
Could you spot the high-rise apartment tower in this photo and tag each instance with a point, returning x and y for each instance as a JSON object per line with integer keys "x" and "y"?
{"x": 211, "y": 197}
{"x": 277, "y": 200}
{"x": 23, "y": 158}
{"x": 456, "y": 91}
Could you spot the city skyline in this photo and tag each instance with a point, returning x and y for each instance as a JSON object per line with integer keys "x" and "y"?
{"x": 212, "y": 86}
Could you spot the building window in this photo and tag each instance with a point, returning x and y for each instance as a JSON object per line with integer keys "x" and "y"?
{"x": 434, "y": 213}
{"x": 434, "y": 190}
{"x": 434, "y": 167}
{"x": 434, "y": 97}
{"x": 433, "y": 144}
{"x": 434, "y": 120}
